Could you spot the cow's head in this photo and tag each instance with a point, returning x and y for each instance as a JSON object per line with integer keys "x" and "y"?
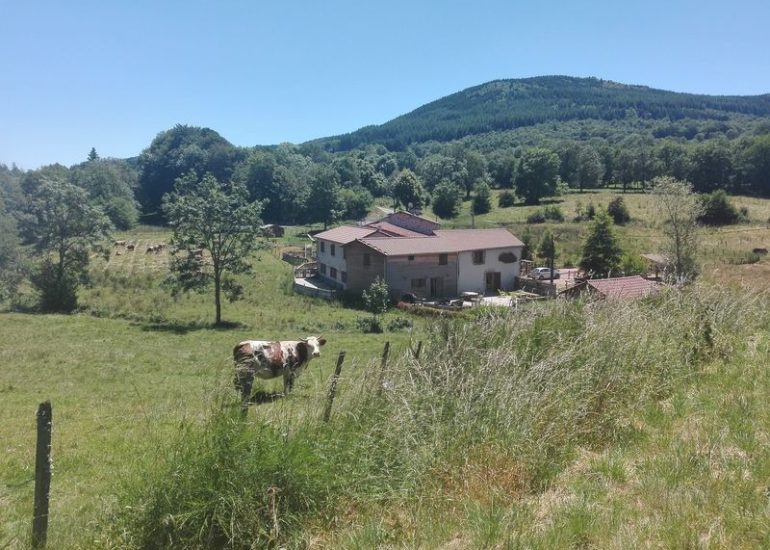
{"x": 313, "y": 344}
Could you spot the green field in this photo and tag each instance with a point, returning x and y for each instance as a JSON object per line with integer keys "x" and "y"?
{"x": 567, "y": 425}
{"x": 124, "y": 373}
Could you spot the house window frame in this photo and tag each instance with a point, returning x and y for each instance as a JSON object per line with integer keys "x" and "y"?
{"x": 333, "y": 272}
{"x": 333, "y": 249}
{"x": 367, "y": 258}
{"x": 478, "y": 257}
{"x": 321, "y": 246}
{"x": 443, "y": 259}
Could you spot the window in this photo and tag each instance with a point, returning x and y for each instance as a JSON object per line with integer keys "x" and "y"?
{"x": 367, "y": 259}
{"x": 333, "y": 272}
{"x": 410, "y": 258}
{"x": 418, "y": 283}
{"x": 442, "y": 259}
{"x": 478, "y": 257}
{"x": 322, "y": 268}
{"x": 344, "y": 276}
{"x": 333, "y": 249}
{"x": 321, "y": 244}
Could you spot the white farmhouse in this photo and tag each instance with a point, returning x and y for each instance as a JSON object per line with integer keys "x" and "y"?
{"x": 414, "y": 256}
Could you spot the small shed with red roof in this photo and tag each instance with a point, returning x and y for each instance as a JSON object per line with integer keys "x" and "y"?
{"x": 630, "y": 288}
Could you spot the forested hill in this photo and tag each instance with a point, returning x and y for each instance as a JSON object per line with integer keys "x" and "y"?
{"x": 508, "y": 104}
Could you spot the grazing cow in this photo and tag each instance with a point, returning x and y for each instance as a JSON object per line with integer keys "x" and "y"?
{"x": 119, "y": 243}
{"x": 130, "y": 245}
{"x": 273, "y": 359}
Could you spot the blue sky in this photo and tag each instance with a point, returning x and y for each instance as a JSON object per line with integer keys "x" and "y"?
{"x": 113, "y": 74}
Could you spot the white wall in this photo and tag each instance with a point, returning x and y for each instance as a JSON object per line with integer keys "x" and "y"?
{"x": 472, "y": 278}
{"x": 335, "y": 261}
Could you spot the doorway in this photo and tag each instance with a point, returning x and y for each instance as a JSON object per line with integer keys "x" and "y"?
{"x": 492, "y": 285}
{"x": 436, "y": 287}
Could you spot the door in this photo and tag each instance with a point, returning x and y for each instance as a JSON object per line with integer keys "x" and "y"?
{"x": 492, "y": 282}
{"x": 436, "y": 287}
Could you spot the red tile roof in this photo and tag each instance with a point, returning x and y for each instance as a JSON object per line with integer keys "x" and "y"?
{"x": 444, "y": 242}
{"x": 394, "y": 230}
{"x": 345, "y": 234}
{"x": 477, "y": 239}
{"x": 623, "y": 287}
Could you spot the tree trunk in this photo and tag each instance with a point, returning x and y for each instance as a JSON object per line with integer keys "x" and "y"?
{"x": 217, "y": 293}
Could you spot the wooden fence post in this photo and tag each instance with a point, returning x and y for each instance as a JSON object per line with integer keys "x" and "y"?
{"x": 42, "y": 475}
{"x": 418, "y": 350}
{"x": 333, "y": 387}
{"x": 383, "y": 364}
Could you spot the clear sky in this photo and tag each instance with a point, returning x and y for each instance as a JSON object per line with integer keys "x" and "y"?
{"x": 112, "y": 74}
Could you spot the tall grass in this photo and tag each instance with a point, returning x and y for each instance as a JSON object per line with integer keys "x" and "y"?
{"x": 491, "y": 414}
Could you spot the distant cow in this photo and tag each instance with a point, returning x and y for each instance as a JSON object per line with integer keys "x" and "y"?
{"x": 130, "y": 245}
{"x": 273, "y": 359}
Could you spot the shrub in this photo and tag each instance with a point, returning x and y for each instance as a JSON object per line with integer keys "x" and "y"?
{"x": 536, "y": 217}
{"x": 716, "y": 209}
{"x": 552, "y": 213}
{"x": 369, "y": 325}
{"x": 399, "y": 323}
{"x": 506, "y": 199}
{"x": 618, "y": 211}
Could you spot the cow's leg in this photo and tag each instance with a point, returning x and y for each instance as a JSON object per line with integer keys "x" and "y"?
{"x": 244, "y": 381}
{"x": 288, "y": 381}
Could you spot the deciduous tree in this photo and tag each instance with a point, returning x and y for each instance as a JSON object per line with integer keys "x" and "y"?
{"x": 215, "y": 231}
{"x": 537, "y": 174}
{"x": 447, "y": 198}
{"x": 64, "y": 227}
{"x": 679, "y": 209}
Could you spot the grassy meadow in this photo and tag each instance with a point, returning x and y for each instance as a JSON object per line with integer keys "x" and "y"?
{"x": 566, "y": 425}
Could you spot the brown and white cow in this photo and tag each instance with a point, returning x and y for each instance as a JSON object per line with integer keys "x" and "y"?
{"x": 265, "y": 359}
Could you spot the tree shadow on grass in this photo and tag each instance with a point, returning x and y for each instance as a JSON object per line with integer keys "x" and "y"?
{"x": 183, "y": 327}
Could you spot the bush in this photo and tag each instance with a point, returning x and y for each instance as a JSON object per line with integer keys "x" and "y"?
{"x": 399, "y": 323}
{"x": 536, "y": 217}
{"x": 57, "y": 293}
{"x": 549, "y": 213}
{"x": 716, "y": 209}
{"x": 553, "y": 213}
{"x": 506, "y": 199}
{"x": 618, "y": 211}
{"x": 369, "y": 325}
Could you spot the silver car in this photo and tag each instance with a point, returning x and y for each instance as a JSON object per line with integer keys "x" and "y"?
{"x": 542, "y": 273}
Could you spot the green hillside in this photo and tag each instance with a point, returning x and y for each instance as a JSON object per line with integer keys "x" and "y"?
{"x": 503, "y": 105}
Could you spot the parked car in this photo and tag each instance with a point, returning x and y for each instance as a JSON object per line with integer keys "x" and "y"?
{"x": 542, "y": 273}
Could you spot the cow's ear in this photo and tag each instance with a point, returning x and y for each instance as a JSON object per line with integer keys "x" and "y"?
{"x": 321, "y": 341}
